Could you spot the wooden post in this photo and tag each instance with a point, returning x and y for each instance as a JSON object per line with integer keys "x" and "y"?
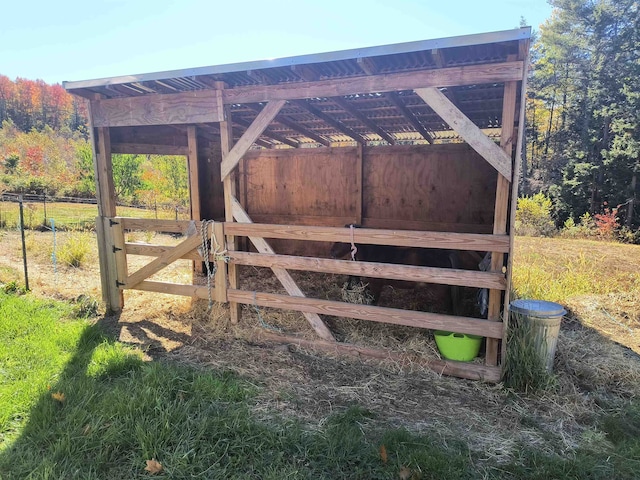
{"x": 194, "y": 190}
{"x": 105, "y": 193}
{"x": 229, "y": 185}
{"x": 115, "y": 296}
{"x": 501, "y": 212}
{"x": 359, "y": 183}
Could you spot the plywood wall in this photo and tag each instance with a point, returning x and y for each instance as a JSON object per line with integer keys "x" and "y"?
{"x": 430, "y": 187}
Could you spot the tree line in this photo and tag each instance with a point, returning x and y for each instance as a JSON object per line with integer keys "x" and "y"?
{"x": 583, "y": 111}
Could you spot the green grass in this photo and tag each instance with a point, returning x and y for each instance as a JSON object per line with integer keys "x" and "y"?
{"x": 119, "y": 411}
{"x": 70, "y": 216}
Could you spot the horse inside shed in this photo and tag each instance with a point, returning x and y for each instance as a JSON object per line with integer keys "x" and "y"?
{"x": 417, "y": 143}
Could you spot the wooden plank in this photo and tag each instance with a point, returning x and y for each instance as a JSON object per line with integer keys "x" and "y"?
{"x": 120, "y": 252}
{"x": 229, "y": 191}
{"x": 368, "y": 222}
{"x": 268, "y": 133}
{"x": 164, "y": 260}
{"x": 359, "y": 185}
{"x": 102, "y": 261}
{"x": 155, "y": 225}
{"x": 471, "y": 371}
{"x": 153, "y": 250}
{"x": 444, "y": 77}
{"x": 104, "y": 175}
{"x": 395, "y": 316}
{"x": 195, "y": 291}
{"x": 148, "y": 149}
{"x": 464, "y": 127}
{"x": 401, "y": 238}
{"x": 264, "y": 118}
{"x": 192, "y": 161}
{"x": 194, "y": 182}
{"x": 501, "y": 212}
{"x": 115, "y": 299}
{"x": 443, "y": 276}
{"x": 220, "y": 277}
{"x": 158, "y": 109}
{"x": 281, "y": 274}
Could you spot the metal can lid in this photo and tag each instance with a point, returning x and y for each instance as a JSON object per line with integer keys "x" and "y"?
{"x": 537, "y": 308}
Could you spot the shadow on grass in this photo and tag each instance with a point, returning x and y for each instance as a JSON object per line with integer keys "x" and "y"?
{"x": 118, "y": 412}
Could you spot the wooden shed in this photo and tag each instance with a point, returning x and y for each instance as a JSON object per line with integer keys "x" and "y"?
{"x": 417, "y": 143}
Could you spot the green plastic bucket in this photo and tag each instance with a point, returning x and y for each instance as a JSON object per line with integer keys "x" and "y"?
{"x": 457, "y": 346}
{"x": 544, "y": 318}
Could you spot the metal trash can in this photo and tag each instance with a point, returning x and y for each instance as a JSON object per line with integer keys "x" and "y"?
{"x": 544, "y": 318}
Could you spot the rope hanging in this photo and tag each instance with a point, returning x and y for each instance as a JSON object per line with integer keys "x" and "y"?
{"x": 211, "y": 246}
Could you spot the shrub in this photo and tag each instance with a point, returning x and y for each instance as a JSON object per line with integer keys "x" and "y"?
{"x": 75, "y": 250}
{"x": 533, "y": 216}
{"x": 607, "y": 223}
{"x": 585, "y": 228}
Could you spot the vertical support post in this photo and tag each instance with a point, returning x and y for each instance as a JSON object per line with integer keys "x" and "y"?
{"x": 114, "y": 292}
{"x": 220, "y": 278}
{"x": 242, "y": 187}
{"x": 229, "y": 185}
{"x": 117, "y": 234}
{"x": 194, "y": 190}
{"x": 24, "y": 246}
{"x": 105, "y": 193}
{"x": 359, "y": 193}
{"x": 501, "y": 212}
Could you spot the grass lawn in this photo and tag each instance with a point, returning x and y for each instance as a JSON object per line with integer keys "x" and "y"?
{"x": 72, "y": 216}
{"x": 76, "y": 404}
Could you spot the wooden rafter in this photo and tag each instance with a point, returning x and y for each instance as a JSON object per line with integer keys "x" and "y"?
{"x": 344, "y": 104}
{"x": 293, "y": 125}
{"x": 250, "y": 136}
{"x": 367, "y": 65}
{"x": 305, "y": 72}
{"x": 469, "y": 131}
{"x": 337, "y": 124}
{"x": 408, "y": 114}
{"x": 268, "y": 133}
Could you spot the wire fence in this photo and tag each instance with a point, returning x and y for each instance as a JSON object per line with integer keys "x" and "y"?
{"x": 71, "y": 213}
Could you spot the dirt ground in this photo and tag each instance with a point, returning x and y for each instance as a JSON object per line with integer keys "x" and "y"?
{"x": 309, "y": 385}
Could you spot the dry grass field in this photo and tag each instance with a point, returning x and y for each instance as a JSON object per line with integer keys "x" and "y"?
{"x": 597, "y": 365}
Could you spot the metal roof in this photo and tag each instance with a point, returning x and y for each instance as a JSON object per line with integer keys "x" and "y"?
{"x": 374, "y": 117}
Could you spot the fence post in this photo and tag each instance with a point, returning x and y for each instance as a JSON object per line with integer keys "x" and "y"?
{"x": 24, "y": 246}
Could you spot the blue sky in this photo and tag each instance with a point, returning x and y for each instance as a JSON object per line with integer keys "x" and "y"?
{"x": 86, "y": 39}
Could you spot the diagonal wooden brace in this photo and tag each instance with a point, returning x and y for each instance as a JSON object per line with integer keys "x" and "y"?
{"x": 282, "y": 275}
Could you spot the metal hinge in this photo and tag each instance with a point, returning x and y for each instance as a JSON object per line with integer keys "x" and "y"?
{"x": 116, "y": 249}
{"x": 112, "y": 223}
{"x": 120, "y": 284}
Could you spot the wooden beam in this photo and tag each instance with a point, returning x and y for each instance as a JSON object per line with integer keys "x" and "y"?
{"x": 268, "y": 133}
{"x": 398, "y": 238}
{"x": 367, "y": 65}
{"x": 471, "y": 371}
{"x": 344, "y": 104}
{"x": 408, "y": 114}
{"x": 359, "y": 184}
{"x": 470, "y": 132}
{"x": 501, "y": 212}
{"x": 337, "y": 124}
{"x": 282, "y": 275}
{"x": 157, "y": 109}
{"x": 115, "y": 298}
{"x": 148, "y": 149}
{"x": 192, "y": 161}
{"x": 258, "y": 126}
{"x": 412, "y": 273}
{"x": 305, "y": 72}
{"x": 394, "y": 316}
{"x": 444, "y": 77}
{"x": 229, "y": 186}
{"x": 167, "y": 258}
{"x": 293, "y": 125}
{"x": 104, "y": 174}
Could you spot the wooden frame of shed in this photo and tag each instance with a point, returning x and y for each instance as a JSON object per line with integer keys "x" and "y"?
{"x": 419, "y": 143}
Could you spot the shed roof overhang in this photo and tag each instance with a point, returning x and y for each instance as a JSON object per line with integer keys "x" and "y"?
{"x": 364, "y": 95}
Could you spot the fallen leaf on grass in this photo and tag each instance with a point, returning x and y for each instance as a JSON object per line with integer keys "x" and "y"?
{"x": 86, "y": 430}
{"x": 153, "y": 466}
{"x": 58, "y": 396}
{"x": 383, "y": 453}
{"x": 405, "y": 473}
